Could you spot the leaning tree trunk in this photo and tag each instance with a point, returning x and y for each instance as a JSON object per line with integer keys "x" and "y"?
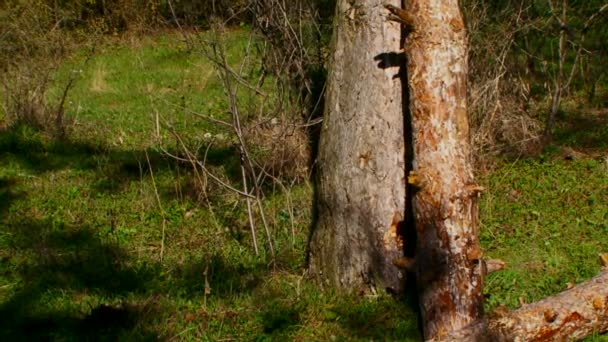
{"x": 448, "y": 261}
{"x": 360, "y": 188}
{"x": 448, "y": 264}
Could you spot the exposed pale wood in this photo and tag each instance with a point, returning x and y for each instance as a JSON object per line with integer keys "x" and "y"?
{"x": 448, "y": 265}
{"x": 361, "y": 172}
{"x": 494, "y": 265}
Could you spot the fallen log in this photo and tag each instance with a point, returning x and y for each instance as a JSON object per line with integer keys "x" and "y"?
{"x": 567, "y": 316}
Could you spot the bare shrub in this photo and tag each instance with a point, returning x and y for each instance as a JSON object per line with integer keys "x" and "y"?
{"x": 289, "y": 41}
{"x": 273, "y": 95}
{"x": 526, "y": 59}
{"x": 24, "y": 97}
{"x": 296, "y": 35}
{"x": 32, "y": 51}
{"x": 499, "y": 91}
{"x": 141, "y": 16}
{"x": 281, "y": 148}
{"x": 199, "y": 13}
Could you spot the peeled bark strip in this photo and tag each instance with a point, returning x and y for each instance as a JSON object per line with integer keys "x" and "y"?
{"x": 448, "y": 266}
{"x": 360, "y": 188}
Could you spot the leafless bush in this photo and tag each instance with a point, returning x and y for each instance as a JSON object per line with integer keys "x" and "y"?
{"x": 31, "y": 53}
{"x": 196, "y": 12}
{"x": 24, "y": 97}
{"x": 272, "y": 94}
{"x": 499, "y": 92}
{"x": 525, "y": 58}
{"x": 296, "y": 35}
{"x": 141, "y": 16}
{"x": 281, "y": 148}
{"x": 288, "y": 38}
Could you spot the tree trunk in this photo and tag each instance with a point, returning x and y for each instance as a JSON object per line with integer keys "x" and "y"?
{"x": 448, "y": 265}
{"x": 361, "y": 176}
{"x": 361, "y": 185}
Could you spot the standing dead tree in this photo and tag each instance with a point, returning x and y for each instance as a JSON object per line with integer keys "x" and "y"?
{"x": 448, "y": 261}
{"x": 448, "y": 265}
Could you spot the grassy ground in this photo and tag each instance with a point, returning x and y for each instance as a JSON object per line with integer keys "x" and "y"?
{"x": 82, "y": 250}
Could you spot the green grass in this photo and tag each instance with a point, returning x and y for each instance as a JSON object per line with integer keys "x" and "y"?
{"x": 548, "y": 220}
{"x": 80, "y": 235}
{"x": 123, "y": 87}
{"x": 81, "y": 229}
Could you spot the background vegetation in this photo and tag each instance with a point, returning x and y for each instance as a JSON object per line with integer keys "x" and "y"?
{"x": 127, "y": 127}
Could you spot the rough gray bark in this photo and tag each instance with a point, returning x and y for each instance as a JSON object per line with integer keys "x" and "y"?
{"x": 361, "y": 176}
{"x": 448, "y": 264}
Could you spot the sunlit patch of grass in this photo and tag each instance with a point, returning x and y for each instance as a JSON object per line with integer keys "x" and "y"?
{"x": 98, "y": 80}
{"x": 129, "y": 85}
{"x": 582, "y": 128}
{"x": 548, "y": 220}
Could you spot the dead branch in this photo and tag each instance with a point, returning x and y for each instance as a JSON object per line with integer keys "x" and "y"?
{"x": 567, "y": 316}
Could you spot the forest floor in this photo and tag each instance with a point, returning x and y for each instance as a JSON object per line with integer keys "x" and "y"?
{"x": 105, "y": 237}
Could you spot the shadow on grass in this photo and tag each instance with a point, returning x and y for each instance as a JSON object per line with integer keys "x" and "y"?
{"x": 583, "y": 130}
{"x": 29, "y": 148}
{"x": 280, "y": 319}
{"x": 386, "y": 319}
{"x": 350, "y": 317}
{"x": 66, "y": 279}
{"x": 50, "y": 263}
{"x": 224, "y": 279}
{"x": 7, "y": 193}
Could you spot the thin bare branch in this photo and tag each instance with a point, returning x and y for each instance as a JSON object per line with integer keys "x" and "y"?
{"x": 160, "y": 207}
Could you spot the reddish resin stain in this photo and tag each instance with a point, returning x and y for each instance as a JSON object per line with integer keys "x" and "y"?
{"x": 547, "y": 334}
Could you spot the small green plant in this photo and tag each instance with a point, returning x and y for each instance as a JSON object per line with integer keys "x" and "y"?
{"x": 549, "y": 209}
